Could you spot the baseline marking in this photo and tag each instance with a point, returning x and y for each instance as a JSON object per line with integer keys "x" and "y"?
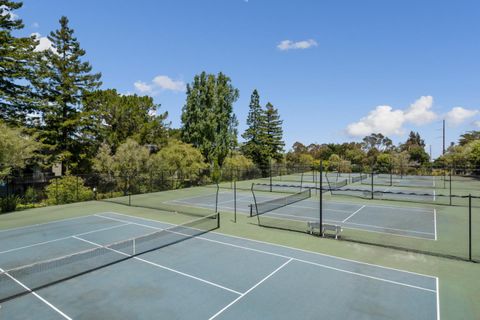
{"x": 37, "y": 295}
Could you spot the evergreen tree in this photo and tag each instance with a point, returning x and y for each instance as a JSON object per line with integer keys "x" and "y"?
{"x": 112, "y": 118}
{"x": 16, "y": 54}
{"x": 254, "y": 147}
{"x": 273, "y": 132}
{"x": 208, "y": 121}
{"x": 63, "y": 80}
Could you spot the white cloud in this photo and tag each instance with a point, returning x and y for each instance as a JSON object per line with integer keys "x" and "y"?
{"x": 291, "y": 45}
{"x": 166, "y": 83}
{"x": 44, "y": 43}
{"x": 382, "y": 119}
{"x": 160, "y": 83}
{"x": 388, "y": 121}
{"x": 35, "y": 25}
{"x": 458, "y": 115}
{"x": 420, "y": 111}
{"x": 143, "y": 87}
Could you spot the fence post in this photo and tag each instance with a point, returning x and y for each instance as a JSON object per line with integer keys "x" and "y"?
{"x": 470, "y": 227}
{"x": 320, "y": 224}
{"x": 56, "y": 190}
{"x": 450, "y": 195}
{"x": 372, "y": 183}
{"x": 235, "y": 200}
{"x": 76, "y": 187}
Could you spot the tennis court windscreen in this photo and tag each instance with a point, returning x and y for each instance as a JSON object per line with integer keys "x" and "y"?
{"x": 25, "y": 279}
{"x": 270, "y": 205}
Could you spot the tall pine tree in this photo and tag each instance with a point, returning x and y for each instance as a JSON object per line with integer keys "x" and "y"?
{"x": 63, "y": 80}
{"x": 254, "y": 146}
{"x": 273, "y": 132}
{"x": 208, "y": 121}
{"x": 16, "y": 60}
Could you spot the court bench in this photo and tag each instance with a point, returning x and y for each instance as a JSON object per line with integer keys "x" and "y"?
{"x": 312, "y": 225}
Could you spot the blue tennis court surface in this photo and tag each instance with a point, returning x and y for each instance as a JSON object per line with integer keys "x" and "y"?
{"x": 402, "y": 221}
{"x": 211, "y": 276}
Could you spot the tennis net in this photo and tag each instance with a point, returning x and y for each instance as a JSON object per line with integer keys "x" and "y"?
{"x": 25, "y": 279}
{"x": 270, "y": 205}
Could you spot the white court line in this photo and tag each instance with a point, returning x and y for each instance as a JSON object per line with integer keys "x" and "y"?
{"x": 344, "y": 220}
{"x": 63, "y": 238}
{"x": 161, "y": 266}
{"x": 249, "y": 290}
{"x": 438, "y": 299}
{"x": 276, "y": 245}
{"x": 435, "y": 222}
{"x": 37, "y": 295}
{"x": 362, "y": 229}
{"x": 301, "y": 260}
{"x": 44, "y": 223}
{"x": 434, "y": 199}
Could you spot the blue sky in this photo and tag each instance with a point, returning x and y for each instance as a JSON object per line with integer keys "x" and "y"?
{"x": 336, "y": 70}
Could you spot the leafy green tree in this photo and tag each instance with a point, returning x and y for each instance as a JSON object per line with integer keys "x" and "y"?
{"x": 131, "y": 159}
{"x": 384, "y": 163}
{"x": 273, "y": 132}
{"x": 104, "y": 161}
{"x": 63, "y": 80}
{"x": 334, "y": 162}
{"x": 208, "y": 121}
{"x": 111, "y": 118}
{"x": 401, "y": 161}
{"x": 469, "y": 137}
{"x": 377, "y": 141}
{"x": 179, "y": 158}
{"x": 16, "y": 61}
{"x": 67, "y": 189}
{"x": 17, "y": 149}
{"x": 254, "y": 146}
{"x": 415, "y": 146}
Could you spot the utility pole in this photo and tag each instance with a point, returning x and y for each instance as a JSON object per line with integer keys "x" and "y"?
{"x": 443, "y": 136}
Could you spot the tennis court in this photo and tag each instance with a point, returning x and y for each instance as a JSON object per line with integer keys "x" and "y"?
{"x": 403, "y": 221}
{"x": 208, "y": 276}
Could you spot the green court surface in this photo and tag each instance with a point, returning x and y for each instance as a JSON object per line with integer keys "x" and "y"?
{"x": 240, "y": 270}
{"x": 212, "y": 276}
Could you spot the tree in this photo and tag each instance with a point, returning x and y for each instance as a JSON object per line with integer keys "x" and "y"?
{"x": 208, "y": 121}
{"x": 16, "y": 60}
{"x": 16, "y": 149}
{"x": 111, "y": 118}
{"x": 254, "y": 146}
{"x": 469, "y": 137}
{"x": 415, "y": 146}
{"x": 178, "y": 158}
{"x": 63, "y": 80}
{"x": 377, "y": 141}
{"x": 273, "y": 132}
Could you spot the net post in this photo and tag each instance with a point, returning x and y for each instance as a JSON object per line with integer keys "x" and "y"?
{"x": 129, "y": 192}
{"x": 470, "y": 227}
{"x": 270, "y": 173}
{"x": 235, "y": 200}
{"x": 216, "y": 198}
{"x": 372, "y": 183}
{"x": 218, "y": 220}
{"x": 450, "y": 187}
{"x": 320, "y": 224}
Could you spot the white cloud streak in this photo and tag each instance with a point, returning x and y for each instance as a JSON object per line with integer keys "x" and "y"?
{"x": 292, "y": 45}
{"x": 160, "y": 83}
{"x": 459, "y": 115}
{"x": 384, "y": 119}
